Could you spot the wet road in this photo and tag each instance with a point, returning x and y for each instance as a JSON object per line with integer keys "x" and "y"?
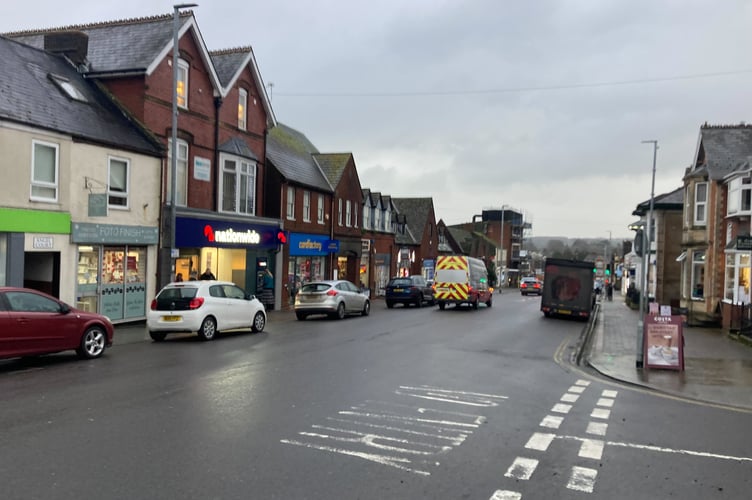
{"x": 407, "y": 403}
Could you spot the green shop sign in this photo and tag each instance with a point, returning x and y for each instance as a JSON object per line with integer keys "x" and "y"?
{"x": 19, "y": 220}
{"x": 83, "y": 232}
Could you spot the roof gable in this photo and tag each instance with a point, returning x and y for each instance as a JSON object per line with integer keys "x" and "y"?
{"x": 333, "y": 165}
{"x": 723, "y": 149}
{"x": 291, "y": 153}
{"x": 417, "y": 211}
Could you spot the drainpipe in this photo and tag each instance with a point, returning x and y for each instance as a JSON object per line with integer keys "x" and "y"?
{"x": 215, "y": 173}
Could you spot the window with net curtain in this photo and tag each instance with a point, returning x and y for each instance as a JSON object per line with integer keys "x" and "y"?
{"x": 238, "y": 186}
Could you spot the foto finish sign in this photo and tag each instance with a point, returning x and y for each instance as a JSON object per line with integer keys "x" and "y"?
{"x": 664, "y": 342}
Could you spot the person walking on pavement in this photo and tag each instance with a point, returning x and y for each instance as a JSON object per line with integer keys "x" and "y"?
{"x": 267, "y": 291}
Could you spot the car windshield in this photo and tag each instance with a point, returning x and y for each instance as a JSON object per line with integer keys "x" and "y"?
{"x": 178, "y": 293}
{"x": 400, "y": 282}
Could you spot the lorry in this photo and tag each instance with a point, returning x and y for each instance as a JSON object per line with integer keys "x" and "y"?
{"x": 460, "y": 280}
{"x": 568, "y": 288}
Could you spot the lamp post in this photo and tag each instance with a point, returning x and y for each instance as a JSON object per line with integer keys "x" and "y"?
{"x": 174, "y": 131}
{"x": 502, "y": 256}
{"x": 645, "y": 265}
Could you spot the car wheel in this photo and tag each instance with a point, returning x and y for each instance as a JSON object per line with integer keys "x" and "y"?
{"x": 259, "y": 321}
{"x": 419, "y": 301}
{"x": 301, "y": 316}
{"x": 366, "y": 308}
{"x": 92, "y": 343}
{"x": 208, "y": 329}
{"x": 157, "y": 336}
{"x": 442, "y": 305}
{"x": 341, "y": 311}
{"x": 490, "y": 301}
{"x": 475, "y": 303}
{"x": 389, "y": 304}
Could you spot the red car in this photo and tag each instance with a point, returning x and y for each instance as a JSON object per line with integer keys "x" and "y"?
{"x": 32, "y": 323}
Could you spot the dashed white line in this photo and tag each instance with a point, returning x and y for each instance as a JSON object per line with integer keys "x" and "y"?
{"x": 681, "y": 452}
{"x": 577, "y": 389}
{"x": 597, "y": 428}
{"x": 561, "y": 408}
{"x": 506, "y": 495}
{"x": 551, "y": 421}
{"x": 539, "y": 441}
{"x": 522, "y": 468}
{"x": 582, "y": 382}
{"x": 582, "y": 479}
{"x": 601, "y": 413}
{"x": 608, "y": 403}
{"x": 609, "y": 394}
{"x": 570, "y": 398}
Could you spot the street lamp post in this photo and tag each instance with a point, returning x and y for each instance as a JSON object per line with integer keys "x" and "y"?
{"x": 645, "y": 265}
{"x": 174, "y": 131}
{"x": 502, "y": 256}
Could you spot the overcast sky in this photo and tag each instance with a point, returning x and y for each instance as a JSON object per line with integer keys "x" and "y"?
{"x": 540, "y": 105}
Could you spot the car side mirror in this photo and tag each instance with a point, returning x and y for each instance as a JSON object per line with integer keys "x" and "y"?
{"x": 64, "y": 309}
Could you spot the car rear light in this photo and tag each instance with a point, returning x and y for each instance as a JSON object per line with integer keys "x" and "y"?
{"x": 196, "y": 302}
{"x": 153, "y": 305}
{"x": 331, "y": 292}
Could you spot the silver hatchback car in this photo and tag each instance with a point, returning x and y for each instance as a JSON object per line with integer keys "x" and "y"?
{"x": 335, "y": 298}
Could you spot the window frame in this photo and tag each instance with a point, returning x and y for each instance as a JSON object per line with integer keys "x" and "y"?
{"x": 181, "y": 162}
{"x": 701, "y": 206}
{"x": 183, "y": 77}
{"x": 366, "y": 217}
{"x": 736, "y": 277}
{"x": 697, "y": 268}
{"x": 245, "y": 174}
{"x": 339, "y": 211}
{"x": 34, "y": 183}
{"x": 321, "y": 209}
{"x": 125, "y": 194}
{"x": 306, "y": 206}
{"x": 348, "y": 213}
{"x": 290, "y": 203}
{"x": 242, "y": 109}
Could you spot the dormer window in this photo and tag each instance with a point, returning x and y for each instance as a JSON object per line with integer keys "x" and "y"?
{"x": 68, "y": 88}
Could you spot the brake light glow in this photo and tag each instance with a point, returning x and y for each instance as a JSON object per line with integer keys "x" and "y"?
{"x": 153, "y": 305}
{"x": 196, "y": 302}
{"x": 331, "y": 292}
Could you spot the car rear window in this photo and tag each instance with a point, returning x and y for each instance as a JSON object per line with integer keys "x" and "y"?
{"x": 315, "y": 287}
{"x": 400, "y": 282}
{"x": 178, "y": 293}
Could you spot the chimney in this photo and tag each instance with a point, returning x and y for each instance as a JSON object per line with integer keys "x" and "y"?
{"x": 72, "y": 44}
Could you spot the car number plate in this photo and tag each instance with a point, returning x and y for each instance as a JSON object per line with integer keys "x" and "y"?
{"x": 564, "y": 311}
{"x": 398, "y": 290}
{"x": 442, "y": 289}
{"x": 171, "y": 318}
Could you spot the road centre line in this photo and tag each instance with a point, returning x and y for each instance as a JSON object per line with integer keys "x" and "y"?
{"x": 456, "y": 440}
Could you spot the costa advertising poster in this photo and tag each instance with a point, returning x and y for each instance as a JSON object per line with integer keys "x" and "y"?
{"x": 664, "y": 342}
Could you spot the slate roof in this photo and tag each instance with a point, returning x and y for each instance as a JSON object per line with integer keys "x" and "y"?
{"x": 236, "y": 146}
{"x": 462, "y": 237}
{"x": 673, "y": 200}
{"x": 333, "y": 165}
{"x": 291, "y": 153}
{"x": 724, "y": 149}
{"x": 29, "y": 96}
{"x": 417, "y": 211}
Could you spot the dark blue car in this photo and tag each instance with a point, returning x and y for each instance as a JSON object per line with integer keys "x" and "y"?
{"x": 408, "y": 290}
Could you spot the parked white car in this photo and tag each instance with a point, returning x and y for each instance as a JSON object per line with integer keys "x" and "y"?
{"x": 205, "y": 307}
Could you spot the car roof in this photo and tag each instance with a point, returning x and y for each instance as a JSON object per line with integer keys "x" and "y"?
{"x": 197, "y": 283}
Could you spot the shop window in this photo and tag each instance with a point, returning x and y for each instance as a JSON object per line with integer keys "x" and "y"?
{"x": 44, "y": 171}
{"x": 238, "y": 185}
{"x": 117, "y": 189}
{"x": 181, "y": 177}
{"x": 736, "y": 287}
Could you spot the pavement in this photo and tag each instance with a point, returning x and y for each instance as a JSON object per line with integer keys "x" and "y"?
{"x": 717, "y": 364}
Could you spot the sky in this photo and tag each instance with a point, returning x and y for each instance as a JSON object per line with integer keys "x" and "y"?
{"x": 541, "y": 106}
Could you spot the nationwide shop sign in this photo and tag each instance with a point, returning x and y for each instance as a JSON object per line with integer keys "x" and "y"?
{"x": 664, "y": 342}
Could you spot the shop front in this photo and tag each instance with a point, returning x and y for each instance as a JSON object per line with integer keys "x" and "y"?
{"x": 308, "y": 259}
{"x": 114, "y": 263}
{"x": 382, "y": 269}
{"x": 228, "y": 250}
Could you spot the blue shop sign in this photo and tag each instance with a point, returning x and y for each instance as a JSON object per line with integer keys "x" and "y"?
{"x": 302, "y": 244}
{"x": 199, "y": 233}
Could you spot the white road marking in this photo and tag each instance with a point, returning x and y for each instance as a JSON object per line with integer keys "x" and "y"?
{"x": 522, "y": 468}
{"x": 570, "y": 398}
{"x": 582, "y": 479}
{"x": 609, "y": 394}
{"x": 372, "y": 440}
{"x": 551, "y": 421}
{"x": 582, "y": 382}
{"x": 680, "y": 452}
{"x": 597, "y": 428}
{"x": 421, "y": 421}
{"x": 448, "y": 396}
{"x": 591, "y": 448}
{"x": 608, "y": 403}
{"x": 395, "y": 462}
{"x": 539, "y": 441}
{"x": 506, "y": 495}
{"x": 561, "y": 408}
{"x": 456, "y": 439}
{"x": 577, "y": 389}
{"x": 601, "y": 413}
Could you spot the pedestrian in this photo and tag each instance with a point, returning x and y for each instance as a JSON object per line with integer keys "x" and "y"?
{"x": 267, "y": 291}
{"x": 610, "y": 291}
{"x": 208, "y": 275}
{"x": 179, "y": 277}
